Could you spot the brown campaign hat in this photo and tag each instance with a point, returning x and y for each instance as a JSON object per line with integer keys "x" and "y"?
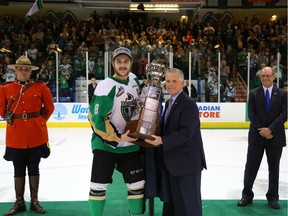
{"x": 24, "y": 62}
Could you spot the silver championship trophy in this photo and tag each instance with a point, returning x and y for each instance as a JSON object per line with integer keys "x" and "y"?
{"x": 143, "y": 120}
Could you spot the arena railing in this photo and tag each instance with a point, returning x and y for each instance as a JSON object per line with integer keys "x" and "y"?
{"x": 68, "y": 74}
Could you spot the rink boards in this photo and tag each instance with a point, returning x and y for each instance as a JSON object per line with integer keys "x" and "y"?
{"x": 212, "y": 115}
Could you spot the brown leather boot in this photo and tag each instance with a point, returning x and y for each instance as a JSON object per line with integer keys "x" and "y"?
{"x": 19, "y": 205}
{"x": 34, "y": 204}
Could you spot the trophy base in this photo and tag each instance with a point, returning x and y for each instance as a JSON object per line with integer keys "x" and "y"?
{"x": 141, "y": 136}
{"x": 132, "y": 126}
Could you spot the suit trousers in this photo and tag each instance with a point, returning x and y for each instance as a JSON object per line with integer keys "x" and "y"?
{"x": 186, "y": 195}
{"x": 254, "y": 158}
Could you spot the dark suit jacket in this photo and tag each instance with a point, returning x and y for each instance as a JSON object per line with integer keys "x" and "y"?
{"x": 274, "y": 119}
{"x": 183, "y": 151}
{"x": 91, "y": 90}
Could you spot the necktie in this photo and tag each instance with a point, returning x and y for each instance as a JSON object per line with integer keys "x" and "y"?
{"x": 267, "y": 100}
{"x": 168, "y": 110}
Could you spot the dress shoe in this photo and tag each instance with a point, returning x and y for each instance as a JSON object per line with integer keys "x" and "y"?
{"x": 244, "y": 201}
{"x": 274, "y": 204}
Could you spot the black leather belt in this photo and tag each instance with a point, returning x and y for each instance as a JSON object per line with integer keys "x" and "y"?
{"x": 26, "y": 115}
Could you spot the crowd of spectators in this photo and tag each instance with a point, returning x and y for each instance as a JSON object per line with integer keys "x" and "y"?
{"x": 263, "y": 39}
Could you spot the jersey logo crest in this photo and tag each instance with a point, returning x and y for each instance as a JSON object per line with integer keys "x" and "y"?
{"x": 128, "y": 106}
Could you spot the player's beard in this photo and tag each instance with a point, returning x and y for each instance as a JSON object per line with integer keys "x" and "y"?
{"x": 121, "y": 74}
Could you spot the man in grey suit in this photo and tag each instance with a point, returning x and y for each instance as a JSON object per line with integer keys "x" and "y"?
{"x": 267, "y": 110}
{"x": 182, "y": 149}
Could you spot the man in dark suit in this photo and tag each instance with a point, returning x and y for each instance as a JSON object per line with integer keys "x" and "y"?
{"x": 91, "y": 88}
{"x": 193, "y": 90}
{"x": 182, "y": 149}
{"x": 266, "y": 133}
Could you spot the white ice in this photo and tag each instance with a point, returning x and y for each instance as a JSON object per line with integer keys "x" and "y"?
{"x": 65, "y": 175}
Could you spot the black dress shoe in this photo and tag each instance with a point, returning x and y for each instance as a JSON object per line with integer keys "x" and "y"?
{"x": 274, "y": 204}
{"x": 244, "y": 201}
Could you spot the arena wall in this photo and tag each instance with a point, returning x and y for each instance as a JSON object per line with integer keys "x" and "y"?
{"x": 212, "y": 115}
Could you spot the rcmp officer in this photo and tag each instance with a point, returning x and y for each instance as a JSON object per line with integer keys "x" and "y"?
{"x": 26, "y": 106}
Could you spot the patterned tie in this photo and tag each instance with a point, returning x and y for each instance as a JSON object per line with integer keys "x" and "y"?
{"x": 267, "y": 100}
{"x": 168, "y": 110}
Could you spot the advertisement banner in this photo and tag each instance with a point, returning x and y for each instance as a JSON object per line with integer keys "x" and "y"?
{"x": 208, "y": 112}
{"x": 70, "y": 112}
{"x": 212, "y": 115}
{"x": 222, "y": 112}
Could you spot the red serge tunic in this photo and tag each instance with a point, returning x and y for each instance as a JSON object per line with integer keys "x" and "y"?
{"x": 31, "y": 132}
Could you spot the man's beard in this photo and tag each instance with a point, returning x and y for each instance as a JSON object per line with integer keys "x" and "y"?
{"x": 120, "y": 74}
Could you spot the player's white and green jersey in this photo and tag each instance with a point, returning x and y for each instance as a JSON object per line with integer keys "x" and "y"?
{"x": 109, "y": 112}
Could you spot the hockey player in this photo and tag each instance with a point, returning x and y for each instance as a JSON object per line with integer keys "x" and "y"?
{"x": 109, "y": 111}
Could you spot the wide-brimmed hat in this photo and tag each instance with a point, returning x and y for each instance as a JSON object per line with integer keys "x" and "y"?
{"x": 121, "y": 50}
{"x": 24, "y": 62}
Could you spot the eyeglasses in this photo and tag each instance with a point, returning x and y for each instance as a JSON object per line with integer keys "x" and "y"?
{"x": 268, "y": 75}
